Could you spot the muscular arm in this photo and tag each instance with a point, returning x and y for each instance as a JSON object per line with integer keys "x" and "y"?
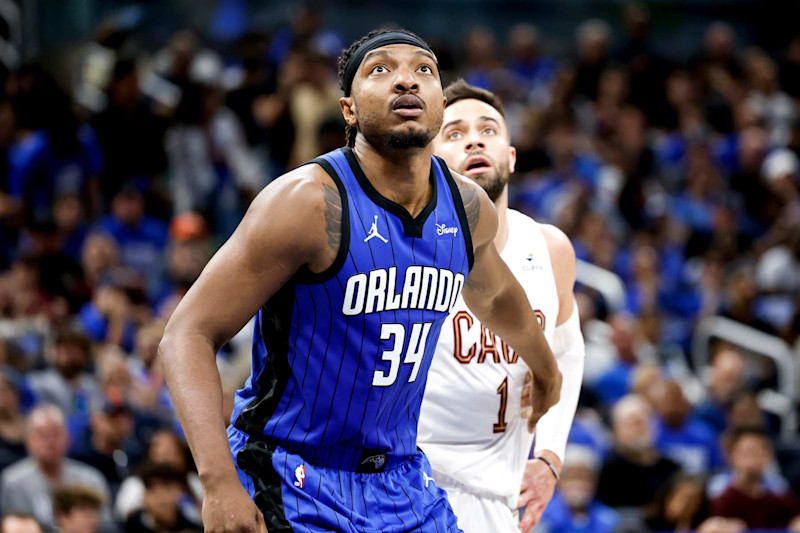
{"x": 498, "y": 300}
{"x": 267, "y": 248}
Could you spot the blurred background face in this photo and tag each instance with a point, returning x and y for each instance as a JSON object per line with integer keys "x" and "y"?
{"x": 671, "y": 404}
{"x": 80, "y": 520}
{"x": 750, "y": 457}
{"x": 128, "y": 207}
{"x": 165, "y": 448}
{"x": 47, "y": 439}
{"x": 161, "y": 500}
{"x": 70, "y": 359}
{"x": 474, "y": 142}
{"x": 633, "y": 429}
{"x": 726, "y": 376}
{"x": 9, "y": 399}
{"x": 577, "y": 485}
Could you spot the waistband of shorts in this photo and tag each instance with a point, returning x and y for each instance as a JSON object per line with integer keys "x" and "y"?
{"x": 358, "y": 460}
{"x": 448, "y": 483}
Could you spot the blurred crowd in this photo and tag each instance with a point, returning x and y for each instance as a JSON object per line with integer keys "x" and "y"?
{"x": 680, "y": 177}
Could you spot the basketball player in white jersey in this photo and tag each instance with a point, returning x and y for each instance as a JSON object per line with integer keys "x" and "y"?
{"x": 472, "y": 425}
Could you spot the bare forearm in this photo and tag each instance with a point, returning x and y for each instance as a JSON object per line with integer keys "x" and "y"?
{"x": 510, "y": 316}
{"x": 191, "y": 373}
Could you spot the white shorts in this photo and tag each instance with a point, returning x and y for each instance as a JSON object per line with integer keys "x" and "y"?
{"x": 482, "y": 515}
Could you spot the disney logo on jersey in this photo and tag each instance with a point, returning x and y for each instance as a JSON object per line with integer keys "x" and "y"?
{"x": 447, "y": 229}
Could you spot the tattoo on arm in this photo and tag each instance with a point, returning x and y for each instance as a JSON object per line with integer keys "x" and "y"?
{"x": 333, "y": 216}
{"x": 472, "y": 206}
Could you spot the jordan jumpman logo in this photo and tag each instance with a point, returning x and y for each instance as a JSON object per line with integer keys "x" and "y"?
{"x": 373, "y": 231}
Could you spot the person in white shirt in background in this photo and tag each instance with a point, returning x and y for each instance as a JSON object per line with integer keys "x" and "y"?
{"x": 472, "y": 425}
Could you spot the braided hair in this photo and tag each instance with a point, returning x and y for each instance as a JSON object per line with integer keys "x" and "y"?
{"x": 351, "y": 131}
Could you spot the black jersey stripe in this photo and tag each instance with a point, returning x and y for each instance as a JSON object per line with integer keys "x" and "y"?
{"x": 275, "y": 331}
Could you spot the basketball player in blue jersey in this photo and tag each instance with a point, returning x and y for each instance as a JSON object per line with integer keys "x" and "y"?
{"x": 351, "y": 265}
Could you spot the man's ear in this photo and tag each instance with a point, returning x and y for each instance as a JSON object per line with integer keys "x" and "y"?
{"x": 512, "y": 159}
{"x": 348, "y": 106}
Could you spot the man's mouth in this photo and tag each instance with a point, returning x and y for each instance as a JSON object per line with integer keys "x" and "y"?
{"x": 476, "y": 164}
{"x": 408, "y": 106}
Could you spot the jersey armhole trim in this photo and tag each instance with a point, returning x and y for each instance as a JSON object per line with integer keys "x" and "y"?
{"x": 462, "y": 214}
{"x": 305, "y": 275}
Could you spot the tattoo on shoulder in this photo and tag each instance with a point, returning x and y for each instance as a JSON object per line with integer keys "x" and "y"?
{"x": 472, "y": 205}
{"x": 333, "y": 216}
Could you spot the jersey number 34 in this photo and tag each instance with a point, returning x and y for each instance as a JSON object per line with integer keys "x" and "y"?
{"x": 413, "y": 356}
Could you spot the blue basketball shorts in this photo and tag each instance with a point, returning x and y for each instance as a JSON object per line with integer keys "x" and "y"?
{"x": 297, "y": 496}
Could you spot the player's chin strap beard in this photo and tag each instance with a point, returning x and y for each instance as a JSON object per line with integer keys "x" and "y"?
{"x": 379, "y": 41}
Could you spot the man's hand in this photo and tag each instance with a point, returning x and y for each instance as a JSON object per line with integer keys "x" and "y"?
{"x": 538, "y": 485}
{"x": 543, "y": 396}
{"x": 229, "y": 509}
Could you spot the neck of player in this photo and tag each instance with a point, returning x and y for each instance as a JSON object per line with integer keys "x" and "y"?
{"x": 501, "y": 238}
{"x": 401, "y": 176}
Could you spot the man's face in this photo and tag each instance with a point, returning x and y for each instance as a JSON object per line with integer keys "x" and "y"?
{"x": 396, "y": 99}
{"x": 474, "y": 142}
{"x": 47, "y": 439}
{"x": 633, "y": 431}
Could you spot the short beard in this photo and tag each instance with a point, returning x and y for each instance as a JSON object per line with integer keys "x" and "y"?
{"x": 406, "y": 141}
{"x": 494, "y": 183}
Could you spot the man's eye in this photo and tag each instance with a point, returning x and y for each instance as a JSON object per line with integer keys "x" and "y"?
{"x": 425, "y": 69}
{"x": 489, "y": 131}
{"x": 454, "y": 135}
{"x": 379, "y": 69}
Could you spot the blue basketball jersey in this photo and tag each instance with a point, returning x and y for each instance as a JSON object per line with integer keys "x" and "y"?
{"x": 340, "y": 358}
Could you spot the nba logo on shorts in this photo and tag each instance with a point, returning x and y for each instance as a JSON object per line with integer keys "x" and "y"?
{"x": 300, "y": 474}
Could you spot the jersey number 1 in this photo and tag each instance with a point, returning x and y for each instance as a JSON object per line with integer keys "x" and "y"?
{"x": 500, "y": 426}
{"x": 416, "y": 349}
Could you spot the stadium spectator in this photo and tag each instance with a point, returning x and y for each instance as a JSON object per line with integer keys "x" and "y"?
{"x": 680, "y": 505}
{"x": 77, "y": 509}
{"x": 725, "y": 380}
{"x": 131, "y": 135}
{"x": 629, "y": 348}
{"x": 27, "y": 485}
{"x": 746, "y": 498}
{"x": 682, "y": 437}
{"x": 140, "y": 238}
{"x": 574, "y": 508}
{"x": 108, "y": 443}
{"x": 68, "y": 384}
{"x": 166, "y": 447}
{"x": 634, "y": 459}
{"x": 165, "y": 486}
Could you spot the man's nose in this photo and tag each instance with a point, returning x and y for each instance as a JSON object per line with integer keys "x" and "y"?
{"x": 405, "y": 82}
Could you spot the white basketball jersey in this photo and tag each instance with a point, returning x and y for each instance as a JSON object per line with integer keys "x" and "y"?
{"x": 470, "y": 426}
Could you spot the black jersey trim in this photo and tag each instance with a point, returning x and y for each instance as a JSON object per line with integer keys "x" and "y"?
{"x": 255, "y": 460}
{"x": 305, "y": 275}
{"x": 276, "y": 327}
{"x": 462, "y": 214}
{"x": 411, "y": 225}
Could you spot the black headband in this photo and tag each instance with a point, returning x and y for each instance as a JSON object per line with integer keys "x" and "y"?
{"x": 384, "y": 39}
